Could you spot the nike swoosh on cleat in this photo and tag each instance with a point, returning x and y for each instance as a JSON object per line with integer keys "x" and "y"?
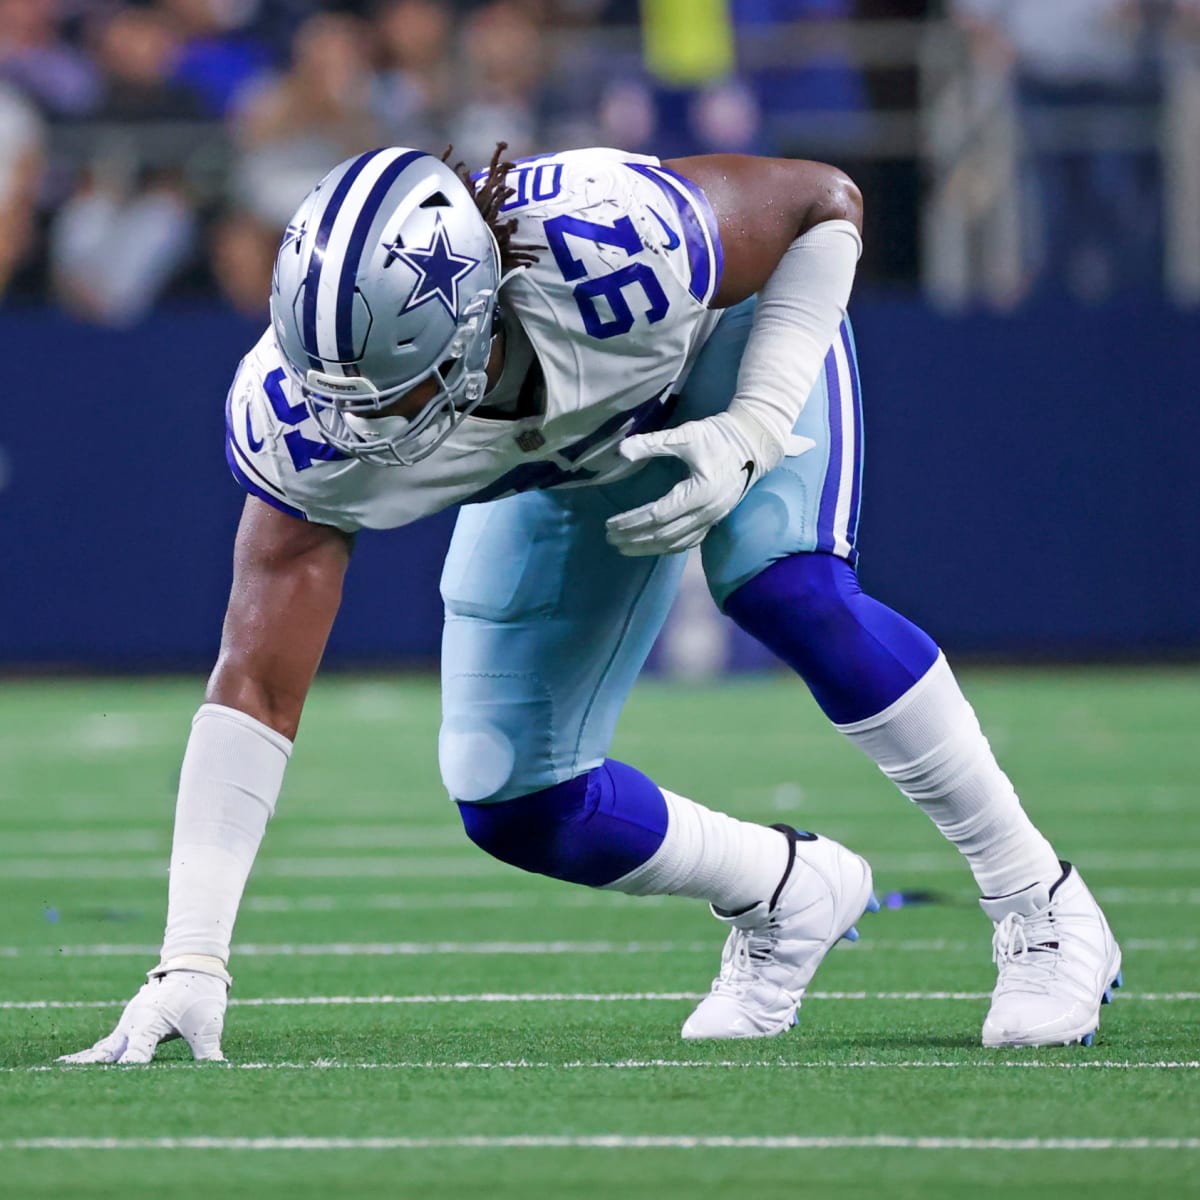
{"x": 256, "y": 444}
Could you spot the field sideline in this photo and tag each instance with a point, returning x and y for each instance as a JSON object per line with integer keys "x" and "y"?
{"x": 410, "y": 1017}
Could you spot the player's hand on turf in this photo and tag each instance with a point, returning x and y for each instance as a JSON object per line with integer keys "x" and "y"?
{"x": 184, "y": 1004}
{"x": 724, "y": 455}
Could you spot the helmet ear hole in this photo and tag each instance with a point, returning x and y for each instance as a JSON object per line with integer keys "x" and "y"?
{"x": 437, "y": 200}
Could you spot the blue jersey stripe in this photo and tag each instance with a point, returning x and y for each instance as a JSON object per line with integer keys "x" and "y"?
{"x": 253, "y": 488}
{"x": 243, "y": 469}
{"x": 702, "y": 206}
{"x": 695, "y": 216}
{"x": 316, "y": 257}
{"x": 354, "y": 251}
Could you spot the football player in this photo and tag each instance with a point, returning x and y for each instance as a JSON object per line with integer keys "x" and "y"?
{"x": 607, "y": 360}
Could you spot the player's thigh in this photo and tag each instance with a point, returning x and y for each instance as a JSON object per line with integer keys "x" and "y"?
{"x": 546, "y": 630}
{"x": 810, "y": 502}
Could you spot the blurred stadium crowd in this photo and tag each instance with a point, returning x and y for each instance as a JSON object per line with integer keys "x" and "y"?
{"x": 155, "y": 149}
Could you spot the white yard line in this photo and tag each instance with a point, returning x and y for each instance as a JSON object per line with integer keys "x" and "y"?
{"x": 433, "y": 901}
{"x": 639, "y": 1065}
{"x": 1148, "y": 895}
{"x": 374, "y": 949}
{"x": 532, "y": 949}
{"x": 55, "y": 844}
{"x": 561, "y": 997}
{"x": 587, "y": 899}
{"x": 471, "y": 862}
{"x": 612, "y": 1141}
{"x": 155, "y": 867}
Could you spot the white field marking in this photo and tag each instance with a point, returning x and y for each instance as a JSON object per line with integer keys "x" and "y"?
{"x": 365, "y": 836}
{"x": 589, "y": 899}
{"x": 603, "y": 1141}
{"x": 67, "y": 842}
{"x": 558, "y": 997}
{"x": 1147, "y": 895}
{"x": 449, "y": 867}
{"x": 473, "y": 863}
{"x": 450, "y": 900}
{"x": 93, "y": 734}
{"x": 116, "y": 731}
{"x": 523, "y": 949}
{"x": 83, "y": 841}
{"x": 649, "y": 1064}
{"x": 371, "y": 949}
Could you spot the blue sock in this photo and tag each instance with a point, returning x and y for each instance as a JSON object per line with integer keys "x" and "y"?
{"x": 856, "y": 655}
{"x": 592, "y": 829}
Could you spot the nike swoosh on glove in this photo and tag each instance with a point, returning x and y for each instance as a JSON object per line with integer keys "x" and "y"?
{"x": 725, "y": 455}
{"x": 186, "y": 1004}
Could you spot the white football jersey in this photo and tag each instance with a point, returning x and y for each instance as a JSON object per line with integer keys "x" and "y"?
{"x": 615, "y": 311}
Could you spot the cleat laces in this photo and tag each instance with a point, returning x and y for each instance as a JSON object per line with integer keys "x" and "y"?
{"x": 1025, "y": 949}
{"x": 744, "y": 955}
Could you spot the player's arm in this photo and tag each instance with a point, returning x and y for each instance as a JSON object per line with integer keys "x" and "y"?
{"x": 287, "y": 586}
{"x": 791, "y": 231}
{"x": 763, "y": 207}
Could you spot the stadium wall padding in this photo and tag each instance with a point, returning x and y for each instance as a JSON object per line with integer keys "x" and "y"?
{"x": 1031, "y": 489}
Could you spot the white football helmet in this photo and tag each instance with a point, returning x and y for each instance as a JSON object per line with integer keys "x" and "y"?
{"x": 386, "y": 277}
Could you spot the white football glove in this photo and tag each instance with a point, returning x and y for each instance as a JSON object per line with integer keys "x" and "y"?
{"x": 177, "y": 1003}
{"x": 725, "y": 454}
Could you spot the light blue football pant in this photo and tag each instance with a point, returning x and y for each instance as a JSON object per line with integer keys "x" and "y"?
{"x": 547, "y": 626}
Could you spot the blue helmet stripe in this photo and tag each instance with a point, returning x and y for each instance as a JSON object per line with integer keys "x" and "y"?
{"x": 354, "y": 251}
{"x": 316, "y": 256}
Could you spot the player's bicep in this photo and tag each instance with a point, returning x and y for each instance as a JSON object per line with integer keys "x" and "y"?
{"x": 287, "y": 587}
{"x": 762, "y": 205}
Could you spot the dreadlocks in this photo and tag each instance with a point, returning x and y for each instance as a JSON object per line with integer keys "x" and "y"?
{"x": 490, "y": 194}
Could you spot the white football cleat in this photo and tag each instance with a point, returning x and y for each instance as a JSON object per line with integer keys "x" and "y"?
{"x": 170, "y": 1004}
{"x": 775, "y": 947}
{"x": 1058, "y": 963}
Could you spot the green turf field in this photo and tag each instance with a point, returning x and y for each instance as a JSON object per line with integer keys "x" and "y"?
{"x": 425, "y": 1021}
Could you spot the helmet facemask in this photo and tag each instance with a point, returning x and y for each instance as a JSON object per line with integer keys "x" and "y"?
{"x": 347, "y": 410}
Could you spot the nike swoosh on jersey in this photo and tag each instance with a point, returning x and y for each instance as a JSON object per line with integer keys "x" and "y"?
{"x": 672, "y": 236}
{"x": 256, "y": 444}
{"x": 749, "y": 469}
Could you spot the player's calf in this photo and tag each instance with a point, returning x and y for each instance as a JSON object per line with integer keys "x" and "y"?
{"x": 787, "y": 897}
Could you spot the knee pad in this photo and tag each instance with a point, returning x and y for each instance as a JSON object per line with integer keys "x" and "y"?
{"x": 476, "y": 758}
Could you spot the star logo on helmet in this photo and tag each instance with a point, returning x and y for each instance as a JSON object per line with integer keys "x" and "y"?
{"x": 438, "y": 270}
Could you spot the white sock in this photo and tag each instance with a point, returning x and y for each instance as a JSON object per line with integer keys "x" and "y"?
{"x": 232, "y": 772}
{"x": 730, "y": 863}
{"x": 930, "y": 745}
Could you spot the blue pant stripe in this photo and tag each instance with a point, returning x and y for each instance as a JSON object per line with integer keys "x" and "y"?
{"x": 829, "y": 490}
{"x": 856, "y": 498}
